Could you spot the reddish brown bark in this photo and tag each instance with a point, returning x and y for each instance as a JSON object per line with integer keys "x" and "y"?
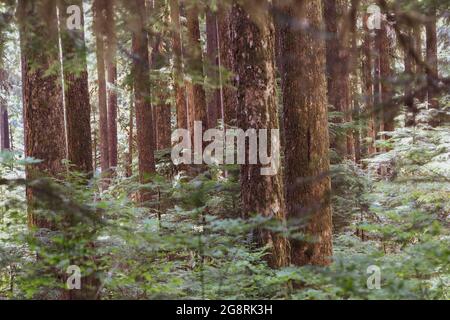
{"x": 409, "y": 78}
{"x": 5, "y": 143}
{"x": 195, "y": 66}
{"x": 180, "y": 90}
{"x": 254, "y": 49}
{"x": 160, "y": 85}
{"x": 306, "y": 163}
{"x": 43, "y": 111}
{"x": 228, "y": 95}
{"x": 189, "y": 103}
{"x": 141, "y": 72}
{"x": 78, "y": 108}
{"x": 338, "y": 70}
{"x": 99, "y": 27}
{"x": 367, "y": 77}
{"x": 213, "y": 96}
{"x": 388, "y": 110}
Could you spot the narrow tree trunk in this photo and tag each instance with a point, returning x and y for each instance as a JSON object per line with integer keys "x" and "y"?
{"x": 111, "y": 68}
{"x": 180, "y": 90}
{"x": 367, "y": 70}
{"x": 432, "y": 60}
{"x": 409, "y": 77}
{"x": 214, "y": 108}
{"x": 420, "y": 72}
{"x": 78, "y": 108}
{"x": 190, "y": 105}
{"x": 228, "y": 95}
{"x": 43, "y": 111}
{"x": 254, "y": 49}
{"x": 141, "y": 72}
{"x": 5, "y": 143}
{"x": 99, "y": 26}
{"x": 388, "y": 110}
{"x": 307, "y": 180}
{"x": 353, "y": 139}
{"x": 195, "y": 66}
{"x": 158, "y": 60}
{"x": 163, "y": 126}
{"x": 379, "y": 126}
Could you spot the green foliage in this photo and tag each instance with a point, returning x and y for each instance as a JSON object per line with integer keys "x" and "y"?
{"x": 190, "y": 241}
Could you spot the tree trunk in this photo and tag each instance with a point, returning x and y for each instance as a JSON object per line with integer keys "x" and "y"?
{"x": 388, "y": 110}
{"x": 141, "y": 71}
{"x": 111, "y": 68}
{"x": 180, "y": 89}
{"x": 213, "y": 97}
{"x": 161, "y": 108}
{"x": 5, "y": 143}
{"x": 307, "y": 180}
{"x": 420, "y": 72}
{"x": 43, "y": 110}
{"x": 195, "y": 67}
{"x": 254, "y": 49}
{"x": 228, "y": 95}
{"x": 367, "y": 70}
{"x": 78, "y": 119}
{"x": 338, "y": 70}
{"x": 99, "y": 27}
{"x": 78, "y": 108}
{"x": 409, "y": 78}
{"x": 432, "y": 60}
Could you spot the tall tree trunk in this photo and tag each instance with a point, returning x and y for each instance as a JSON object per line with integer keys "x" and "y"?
{"x": 213, "y": 96}
{"x": 367, "y": 70}
{"x": 78, "y": 108}
{"x": 377, "y": 99}
{"x": 78, "y": 119}
{"x": 99, "y": 27}
{"x": 111, "y": 68}
{"x": 420, "y": 72}
{"x": 409, "y": 77}
{"x": 338, "y": 70}
{"x": 388, "y": 109}
{"x": 43, "y": 110}
{"x": 228, "y": 95}
{"x": 180, "y": 89}
{"x": 5, "y": 143}
{"x": 158, "y": 60}
{"x": 257, "y": 109}
{"x": 307, "y": 180}
{"x": 353, "y": 139}
{"x": 141, "y": 72}
{"x": 432, "y": 60}
{"x": 195, "y": 66}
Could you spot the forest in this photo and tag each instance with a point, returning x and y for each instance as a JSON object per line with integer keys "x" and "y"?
{"x": 224, "y": 150}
